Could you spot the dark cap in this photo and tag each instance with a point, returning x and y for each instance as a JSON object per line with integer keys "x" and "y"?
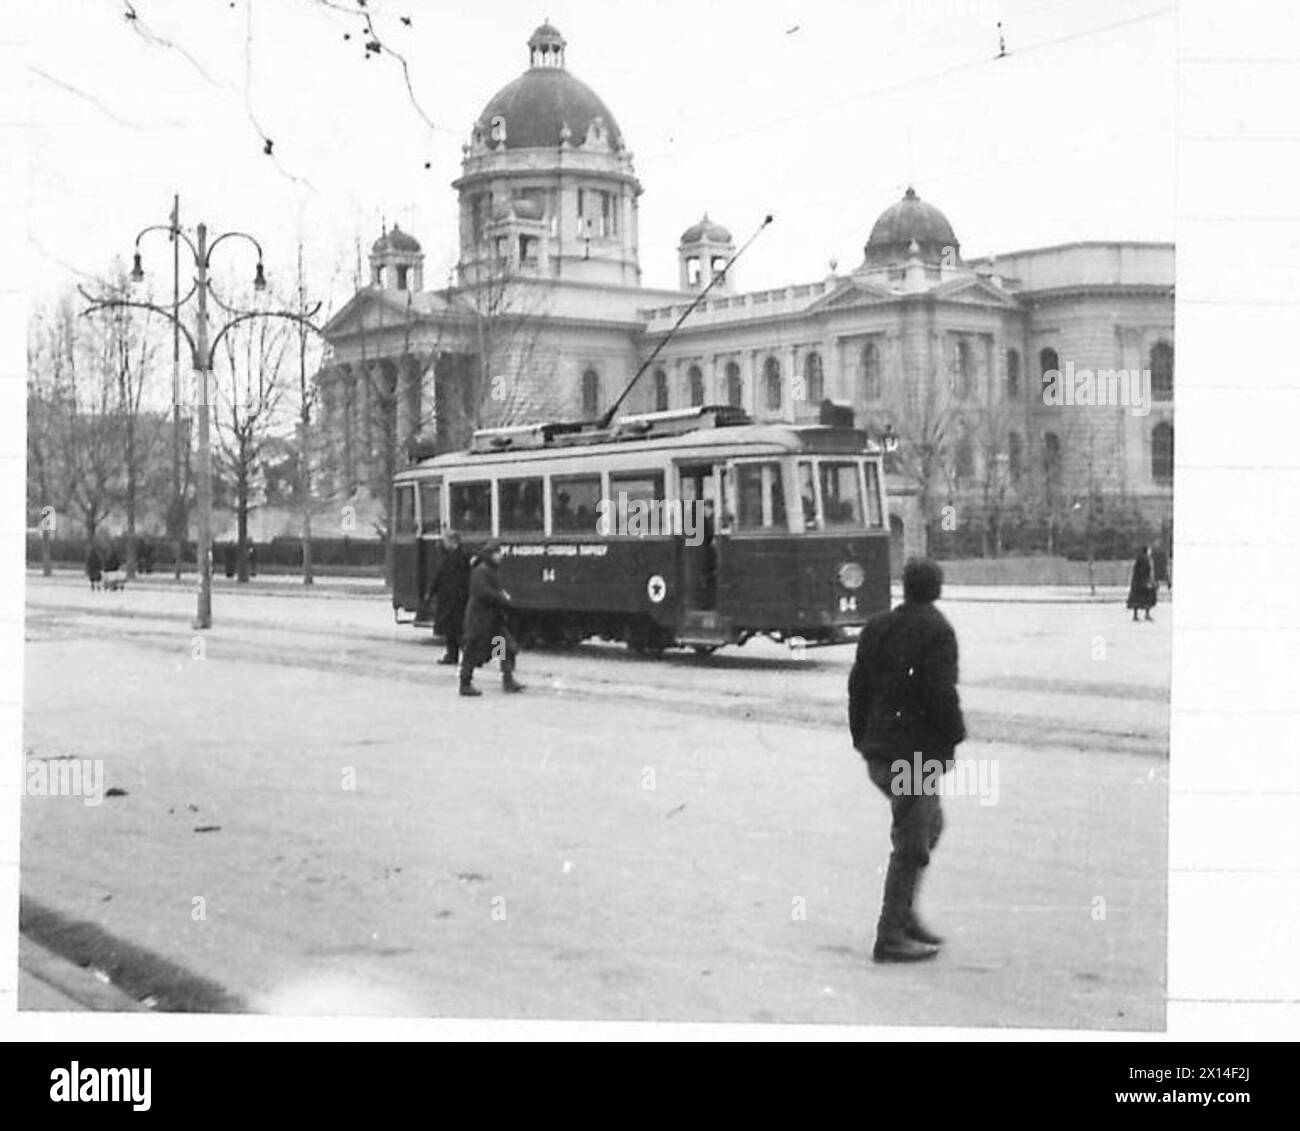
{"x": 922, "y": 580}
{"x": 490, "y": 547}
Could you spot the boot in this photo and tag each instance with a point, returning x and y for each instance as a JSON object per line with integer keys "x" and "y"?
{"x": 449, "y": 658}
{"x": 509, "y": 683}
{"x": 469, "y": 689}
{"x": 893, "y": 943}
{"x": 915, "y": 929}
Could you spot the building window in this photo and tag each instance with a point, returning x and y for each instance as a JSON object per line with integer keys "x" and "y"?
{"x": 1013, "y": 374}
{"x": 590, "y": 393}
{"x": 479, "y": 206}
{"x": 772, "y": 384}
{"x": 1161, "y": 364}
{"x": 870, "y": 372}
{"x": 1052, "y": 458}
{"x": 718, "y": 267}
{"x": 528, "y": 251}
{"x": 402, "y": 274}
{"x": 735, "y": 387}
{"x": 695, "y": 386}
{"x": 693, "y": 271}
{"x": 1048, "y": 362}
{"x": 814, "y": 378}
{"x": 962, "y": 377}
{"x": 661, "y": 391}
{"x": 965, "y": 460}
{"x": 597, "y": 213}
{"x": 1015, "y": 456}
{"x": 1162, "y": 452}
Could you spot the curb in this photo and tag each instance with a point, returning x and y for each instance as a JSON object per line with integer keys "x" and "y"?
{"x": 50, "y": 983}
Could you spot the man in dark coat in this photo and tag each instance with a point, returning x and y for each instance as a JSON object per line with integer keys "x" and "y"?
{"x": 450, "y": 590}
{"x": 1142, "y": 584}
{"x": 94, "y": 566}
{"x": 485, "y": 634}
{"x": 906, "y": 721}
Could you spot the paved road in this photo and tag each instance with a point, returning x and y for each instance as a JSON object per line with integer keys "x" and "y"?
{"x": 632, "y": 839}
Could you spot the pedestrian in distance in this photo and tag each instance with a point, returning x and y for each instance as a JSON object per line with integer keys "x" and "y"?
{"x": 486, "y": 633}
{"x": 1160, "y": 568}
{"x": 94, "y": 567}
{"x": 906, "y": 722}
{"x": 1142, "y": 584}
{"x": 449, "y": 589}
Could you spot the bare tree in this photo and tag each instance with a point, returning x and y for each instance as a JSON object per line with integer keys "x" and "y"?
{"x": 924, "y": 416}
{"x": 248, "y": 392}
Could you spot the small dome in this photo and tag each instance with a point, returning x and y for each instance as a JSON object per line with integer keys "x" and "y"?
{"x": 910, "y": 220}
{"x": 706, "y": 229}
{"x": 395, "y": 240}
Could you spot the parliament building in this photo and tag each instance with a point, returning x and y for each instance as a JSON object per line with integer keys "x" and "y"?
{"x": 547, "y": 319}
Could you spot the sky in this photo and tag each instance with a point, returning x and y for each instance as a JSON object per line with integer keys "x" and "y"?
{"x": 820, "y": 112}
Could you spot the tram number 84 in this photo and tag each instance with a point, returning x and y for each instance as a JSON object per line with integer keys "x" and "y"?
{"x": 548, "y": 574}
{"x": 848, "y": 604}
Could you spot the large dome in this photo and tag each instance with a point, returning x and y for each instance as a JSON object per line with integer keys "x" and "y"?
{"x": 910, "y": 219}
{"x": 535, "y": 110}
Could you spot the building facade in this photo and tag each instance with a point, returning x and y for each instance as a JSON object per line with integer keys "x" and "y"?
{"x": 957, "y": 359}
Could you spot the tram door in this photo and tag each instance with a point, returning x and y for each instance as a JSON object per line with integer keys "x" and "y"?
{"x": 405, "y": 563}
{"x": 430, "y": 534}
{"x": 702, "y": 488}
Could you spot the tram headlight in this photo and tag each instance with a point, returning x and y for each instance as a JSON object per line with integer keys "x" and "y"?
{"x": 851, "y": 575}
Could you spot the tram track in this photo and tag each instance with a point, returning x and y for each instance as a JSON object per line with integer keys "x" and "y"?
{"x": 372, "y": 654}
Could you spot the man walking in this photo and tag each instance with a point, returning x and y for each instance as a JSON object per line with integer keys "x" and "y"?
{"x": 450, "y": 589}
{"x": 485, "y": 633}
{"x": 905, "y": 718}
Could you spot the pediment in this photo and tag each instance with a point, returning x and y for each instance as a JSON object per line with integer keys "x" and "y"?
{"x": 974, "y": 290}
{"x": 854, "y": 293}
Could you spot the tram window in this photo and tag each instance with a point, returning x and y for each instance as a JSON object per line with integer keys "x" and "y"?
{"x": 873, "y": 494}
{"x": 637, "y": 485}
{"x": 404, "y": 510}
{"x": 520, "y": 501}
{"x": 431, "y": 507}
{"x": 808, "y": 496}
{"x": 574, "y": 504}
{"x": 760, "y": 496}
{"x": 471, "y": 507}
{"x": 841, "y": 494}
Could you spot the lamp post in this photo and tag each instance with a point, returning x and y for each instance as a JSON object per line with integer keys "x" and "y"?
{"x": 203, "y": 347}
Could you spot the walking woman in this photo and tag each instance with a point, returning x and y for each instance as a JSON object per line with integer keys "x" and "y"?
{"x": 1142, "y": 586}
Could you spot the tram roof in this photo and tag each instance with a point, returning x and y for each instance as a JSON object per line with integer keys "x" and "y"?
{"x": 727, "y": 442}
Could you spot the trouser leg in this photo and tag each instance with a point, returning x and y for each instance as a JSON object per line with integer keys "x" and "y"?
{"x": 452, "y": 640}
{"x": 917, "y": 822}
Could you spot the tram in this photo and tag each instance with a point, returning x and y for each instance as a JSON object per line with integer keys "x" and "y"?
{"x": 694, "y": 528}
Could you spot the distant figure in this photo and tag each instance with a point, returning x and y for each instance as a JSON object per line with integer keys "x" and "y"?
{"x": 229, "y": 558}
{"x": 450, "y": 592}
{"x": 1160, "y": 565}
{"x": 94, "y": 567}
{"x": 1142, "y": 585}
{"x": 485, "y": 631}
{"x": 906, "y": 722}
{"x": 252, "y": 560}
